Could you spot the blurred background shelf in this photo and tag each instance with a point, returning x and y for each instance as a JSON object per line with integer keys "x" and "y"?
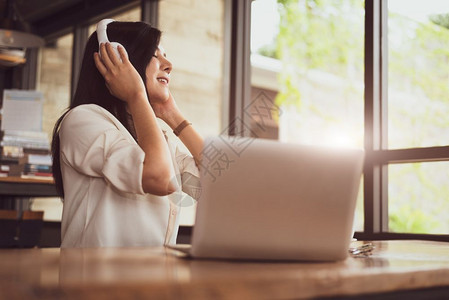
{"x": 27, "y": 187}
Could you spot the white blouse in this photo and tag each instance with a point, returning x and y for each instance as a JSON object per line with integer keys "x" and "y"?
{"x": 104, "y": 202}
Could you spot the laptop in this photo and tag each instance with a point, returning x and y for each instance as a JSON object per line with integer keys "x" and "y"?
{"x": 268, "y": 200}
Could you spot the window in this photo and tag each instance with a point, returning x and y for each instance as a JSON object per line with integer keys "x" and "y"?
{"x": 418, "y": 197}
{"x": 418, "y": 73}
{"x": 418, "y": 114}
{"x": 370, "y": 74}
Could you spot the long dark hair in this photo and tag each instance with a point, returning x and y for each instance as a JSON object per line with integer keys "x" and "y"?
{"x": 140, "y": 41}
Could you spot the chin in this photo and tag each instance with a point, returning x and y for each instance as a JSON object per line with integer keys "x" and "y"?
{"x": 160, "y": 97}
{"x": 166, "y": 97}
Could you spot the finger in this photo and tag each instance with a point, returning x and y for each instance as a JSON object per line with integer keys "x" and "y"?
{"x": 99, "y": 64}
{"x": 123, "y": 53}
{"x": 105, "y": 58}
{"x": 112, "y": 55}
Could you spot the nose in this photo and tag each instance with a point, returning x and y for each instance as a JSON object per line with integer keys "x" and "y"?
{"x": 166, "y": 65}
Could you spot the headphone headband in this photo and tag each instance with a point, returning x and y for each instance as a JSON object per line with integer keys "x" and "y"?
{"x": 102, "y": 35}
{"x": 101, "y": 30}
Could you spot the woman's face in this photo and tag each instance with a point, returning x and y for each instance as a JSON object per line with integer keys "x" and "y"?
{"x": 158, "y": 76}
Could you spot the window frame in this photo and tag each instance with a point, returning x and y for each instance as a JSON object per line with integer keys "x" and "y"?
{"x": 378, "y": 156}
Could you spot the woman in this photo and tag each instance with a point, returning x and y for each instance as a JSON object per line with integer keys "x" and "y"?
{"x": 118, "y": 173}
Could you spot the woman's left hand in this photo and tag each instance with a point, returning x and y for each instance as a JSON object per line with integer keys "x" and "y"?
{"x": 121, "y": 78}
{"x": 167, "y": 110}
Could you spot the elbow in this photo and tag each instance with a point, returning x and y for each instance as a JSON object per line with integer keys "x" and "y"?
{"x": 160, "y": 184}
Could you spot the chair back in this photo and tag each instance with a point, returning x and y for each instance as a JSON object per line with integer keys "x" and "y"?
{"x": 30, "y": 228}
{"x": 20, "y": 231}
{"x": 9, "y": 225}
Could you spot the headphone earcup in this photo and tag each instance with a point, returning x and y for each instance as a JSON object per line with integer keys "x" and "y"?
{"x": 114, "y": 46}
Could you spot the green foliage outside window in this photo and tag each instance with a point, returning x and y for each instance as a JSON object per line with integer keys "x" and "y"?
{"x": 317, "y": 34}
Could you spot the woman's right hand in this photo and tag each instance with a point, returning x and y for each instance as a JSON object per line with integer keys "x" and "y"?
{"x": 121, "y": 78}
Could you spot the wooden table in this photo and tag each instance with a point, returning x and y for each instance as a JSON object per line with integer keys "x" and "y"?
{"x": 400, "y": 268}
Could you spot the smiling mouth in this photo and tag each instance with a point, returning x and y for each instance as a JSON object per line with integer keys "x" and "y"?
{"x": 163, "y": 80}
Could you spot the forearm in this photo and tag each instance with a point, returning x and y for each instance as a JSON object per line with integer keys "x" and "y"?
{"x": 158, "y": 174}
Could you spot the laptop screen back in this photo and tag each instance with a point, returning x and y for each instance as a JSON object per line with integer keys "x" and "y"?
{"x": 263, "y": 199}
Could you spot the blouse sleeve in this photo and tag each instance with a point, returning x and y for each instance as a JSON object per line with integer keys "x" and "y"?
{"x": 189, "y": 174}
{"x": 93, "y": 145}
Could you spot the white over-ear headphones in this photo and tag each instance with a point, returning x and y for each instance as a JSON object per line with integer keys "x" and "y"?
{"x": 103, "y": 37}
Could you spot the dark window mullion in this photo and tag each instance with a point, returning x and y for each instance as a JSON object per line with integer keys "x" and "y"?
{"x": 80, "y": 37}
{"x": 150, "y": 12}
{"x": 401, "y": 236}
{"x": 372, "y": 171}
{"x": 383, "y": 113}
{"x": 411, "y": 155}
{"x": 240, "y": 66}
{"x": 383, "y": 157}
